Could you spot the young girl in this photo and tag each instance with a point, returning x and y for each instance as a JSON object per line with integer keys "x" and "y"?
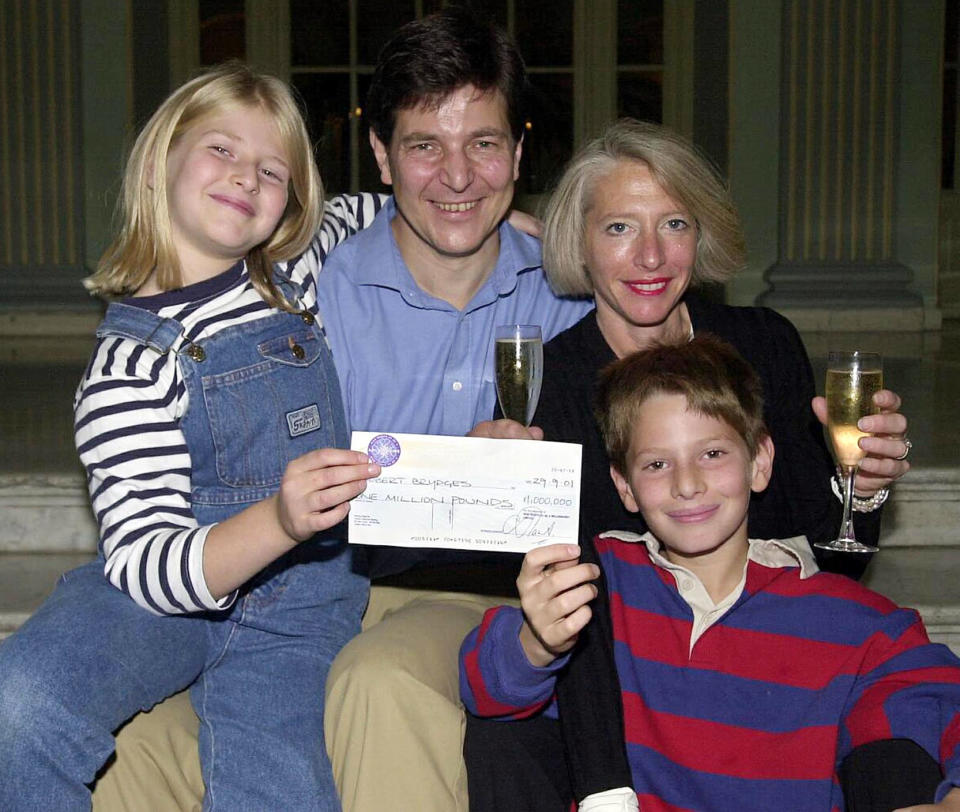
{"x": 210, "y": 425}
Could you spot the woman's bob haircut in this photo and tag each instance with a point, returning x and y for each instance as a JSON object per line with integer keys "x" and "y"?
{"x": 686, "y": 175}
{"x": 144, "y": 240}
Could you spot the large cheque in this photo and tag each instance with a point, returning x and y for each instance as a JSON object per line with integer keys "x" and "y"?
{"x": 467, "y": 493}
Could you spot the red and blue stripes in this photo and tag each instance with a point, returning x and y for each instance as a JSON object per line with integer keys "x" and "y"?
{"x": 769, "y": 700}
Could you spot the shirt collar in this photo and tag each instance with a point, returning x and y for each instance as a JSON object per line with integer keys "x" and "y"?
{"x": 518, "y": 253}
{"x": 774, "y": 553}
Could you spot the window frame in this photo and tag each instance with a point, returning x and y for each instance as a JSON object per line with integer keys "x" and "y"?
{"x": 594, "y": 68}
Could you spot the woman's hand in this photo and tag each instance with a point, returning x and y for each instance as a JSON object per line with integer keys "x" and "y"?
{"x": 554, "y": 592}
{"x": 526, "y": 223}
{"x": 316, "y": 490}
{"x": 505, "y": 430}
{"x": 885, "y": 461}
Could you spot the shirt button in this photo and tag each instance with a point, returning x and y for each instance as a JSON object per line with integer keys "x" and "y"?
{"x": 457, "y": 386}
{"x": 686, "y": 585}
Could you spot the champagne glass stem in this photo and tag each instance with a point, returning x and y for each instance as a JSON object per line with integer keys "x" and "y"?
{"x": 846, "y": 526}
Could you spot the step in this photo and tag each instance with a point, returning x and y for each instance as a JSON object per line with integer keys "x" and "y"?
{"x": 924, "y": 579}
{"x": 51, "y": 512}
{"x": 924, "y": 510}
{"x": 46, "y": 513}
{"x": 26, "y": 579}
{"x": 48, "y": 527}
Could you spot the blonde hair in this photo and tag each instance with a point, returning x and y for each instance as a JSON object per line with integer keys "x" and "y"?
{"x": 144, "y": 242}
{"x": 686, "y": 175}
{"x": 713, "y": 377}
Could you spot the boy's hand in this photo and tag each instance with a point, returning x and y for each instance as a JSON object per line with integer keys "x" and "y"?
{"x": 554, "y": 592}
{"x": 316, "y": 490}
{"x": 950, "y": 803}
{"x": 504, "y": 429}
{"x": 885, "y": 461}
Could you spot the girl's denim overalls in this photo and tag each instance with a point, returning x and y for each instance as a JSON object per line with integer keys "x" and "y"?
{"x": 260, "y": 395}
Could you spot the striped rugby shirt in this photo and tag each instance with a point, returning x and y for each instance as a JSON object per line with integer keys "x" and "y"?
{"x": 754, "y": 709}
{"x": 126, "y": 419}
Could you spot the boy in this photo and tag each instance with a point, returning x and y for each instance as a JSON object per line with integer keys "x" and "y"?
{"x": 746, "y": 676}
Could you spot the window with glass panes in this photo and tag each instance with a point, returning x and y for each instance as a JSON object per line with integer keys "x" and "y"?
{"x": 333, "y": 46}
{"x": 640, "y": 59}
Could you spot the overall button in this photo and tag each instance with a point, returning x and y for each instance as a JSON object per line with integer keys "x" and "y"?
{"x": 307, "y": 317}
{"x": 297, "y": 351}
{"x": 196, "y": 352}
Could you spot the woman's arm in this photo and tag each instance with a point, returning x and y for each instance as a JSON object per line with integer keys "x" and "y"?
{"x": 593, "y": 731}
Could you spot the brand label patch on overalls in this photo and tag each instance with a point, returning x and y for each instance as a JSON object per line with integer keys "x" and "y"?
{"x": 304, "y": 420}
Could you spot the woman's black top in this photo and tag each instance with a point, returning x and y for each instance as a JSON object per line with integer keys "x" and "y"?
{"x": 797, "y": 501}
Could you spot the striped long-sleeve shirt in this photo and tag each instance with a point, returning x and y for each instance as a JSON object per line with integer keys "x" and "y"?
{"x": 127, "y": 413}
{"x": 756, "y": 712}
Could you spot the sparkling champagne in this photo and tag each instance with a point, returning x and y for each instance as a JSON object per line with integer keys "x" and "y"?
{"x": 850, "y": 397}
{"x": 519, "y": 372}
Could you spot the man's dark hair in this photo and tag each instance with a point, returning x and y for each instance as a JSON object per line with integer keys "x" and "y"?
{"x": 428, "y": 59}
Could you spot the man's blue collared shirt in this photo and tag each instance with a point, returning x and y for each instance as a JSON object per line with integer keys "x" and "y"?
{"x": 409, "y": 362}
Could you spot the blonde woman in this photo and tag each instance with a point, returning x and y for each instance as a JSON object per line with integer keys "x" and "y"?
{"x": 643, "y": 223}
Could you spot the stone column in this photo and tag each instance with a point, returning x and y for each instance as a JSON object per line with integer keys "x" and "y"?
{"x": 64, "y": 115}
{"x": 41, "y": 191}
{"x": 842, "y": 166}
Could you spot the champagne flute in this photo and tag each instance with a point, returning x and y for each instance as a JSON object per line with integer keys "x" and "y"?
{"x": 518, "y": 355}
{"x": 852, "y": 380}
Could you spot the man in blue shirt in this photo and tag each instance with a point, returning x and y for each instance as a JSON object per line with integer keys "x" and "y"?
{"x": 410, "y": 306}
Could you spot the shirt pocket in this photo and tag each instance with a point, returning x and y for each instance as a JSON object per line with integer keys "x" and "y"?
{"x": 264, "y": 415}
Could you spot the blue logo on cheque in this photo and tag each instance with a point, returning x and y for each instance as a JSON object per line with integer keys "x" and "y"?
{"x": 383, "y": 450}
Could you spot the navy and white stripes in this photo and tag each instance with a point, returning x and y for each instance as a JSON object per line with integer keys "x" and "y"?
{"x": 128, "y": 409}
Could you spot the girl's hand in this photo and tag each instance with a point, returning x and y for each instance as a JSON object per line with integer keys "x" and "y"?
{"x": 316, "y": 490}
{"x": 505, "y": 430}
{"x": 554, "y": 592}
{"x": 885, "y": 461}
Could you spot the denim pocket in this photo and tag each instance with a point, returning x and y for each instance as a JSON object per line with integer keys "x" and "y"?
{"x": 264, "y": 415}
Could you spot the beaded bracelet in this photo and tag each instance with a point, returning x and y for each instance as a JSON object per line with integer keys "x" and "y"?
{"x": 860, "y": 504}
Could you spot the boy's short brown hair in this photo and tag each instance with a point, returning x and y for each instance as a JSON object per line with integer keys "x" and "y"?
{"x": 707, "y": 371}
